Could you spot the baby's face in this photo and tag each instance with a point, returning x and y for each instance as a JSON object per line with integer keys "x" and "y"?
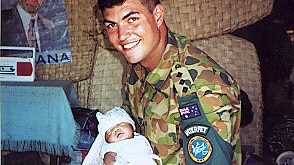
{"x": 119, "y": 132}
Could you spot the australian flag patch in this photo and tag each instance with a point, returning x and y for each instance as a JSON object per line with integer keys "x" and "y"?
{"x": 189, "y": 112}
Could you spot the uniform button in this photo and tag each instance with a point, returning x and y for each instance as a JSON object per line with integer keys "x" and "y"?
{"x": 179, "y": 74}
{"x": 182, "y": 81}
{"x": 185, "y": 89}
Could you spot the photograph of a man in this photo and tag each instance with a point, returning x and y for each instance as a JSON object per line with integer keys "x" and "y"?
{"x": 24, "y": 25}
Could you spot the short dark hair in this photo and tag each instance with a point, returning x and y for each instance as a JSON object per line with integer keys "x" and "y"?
{"x": 103, "y": 4}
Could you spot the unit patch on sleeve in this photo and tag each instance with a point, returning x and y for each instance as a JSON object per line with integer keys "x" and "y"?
{"x": 199, "y": 129}
{"x": 199, "y": 149}
{"x": 189, "y": 112}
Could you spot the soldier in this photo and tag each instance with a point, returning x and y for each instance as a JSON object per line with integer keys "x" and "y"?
{"x": 184, "y": 103}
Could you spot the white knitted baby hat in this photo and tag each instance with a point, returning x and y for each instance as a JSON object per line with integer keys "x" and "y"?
{"x": 111, "y": 118}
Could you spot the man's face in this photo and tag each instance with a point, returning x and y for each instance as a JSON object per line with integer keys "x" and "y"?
{"x": 30, "y": 6}
{"x": 132, "y": 30}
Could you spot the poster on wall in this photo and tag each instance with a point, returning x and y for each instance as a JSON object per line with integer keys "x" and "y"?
{"x": 36, "y": 23}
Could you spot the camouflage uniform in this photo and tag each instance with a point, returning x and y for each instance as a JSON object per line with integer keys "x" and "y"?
{"x": 154, "y": 101}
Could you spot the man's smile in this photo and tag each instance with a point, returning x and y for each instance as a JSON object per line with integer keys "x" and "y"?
{"x": 131, "y": 45}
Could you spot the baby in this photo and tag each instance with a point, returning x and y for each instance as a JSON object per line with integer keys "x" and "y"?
{"x": 118, "y": 134}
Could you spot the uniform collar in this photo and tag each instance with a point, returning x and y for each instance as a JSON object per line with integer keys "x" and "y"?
{"x": 159, "y": 75}
{"x": 162, "y": 71}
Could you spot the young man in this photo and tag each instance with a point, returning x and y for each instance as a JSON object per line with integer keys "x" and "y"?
{"x": 185, "y": 104}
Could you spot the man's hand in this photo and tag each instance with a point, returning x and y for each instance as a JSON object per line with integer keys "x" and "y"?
{"x": 109, "y": 158}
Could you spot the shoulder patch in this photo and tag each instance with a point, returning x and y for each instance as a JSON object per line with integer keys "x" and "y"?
{"x": 198, "y": 129}
{"x": 189, "y": 112}
{"x": 199, "y": 149}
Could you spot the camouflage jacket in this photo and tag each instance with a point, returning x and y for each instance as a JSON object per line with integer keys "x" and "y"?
{"x": 153, "y": 102}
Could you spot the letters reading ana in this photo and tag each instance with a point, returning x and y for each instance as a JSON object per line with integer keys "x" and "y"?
{"x": 53, "y": 59}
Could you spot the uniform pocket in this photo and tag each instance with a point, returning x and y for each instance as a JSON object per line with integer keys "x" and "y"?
{"x": 160, "y": 132}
